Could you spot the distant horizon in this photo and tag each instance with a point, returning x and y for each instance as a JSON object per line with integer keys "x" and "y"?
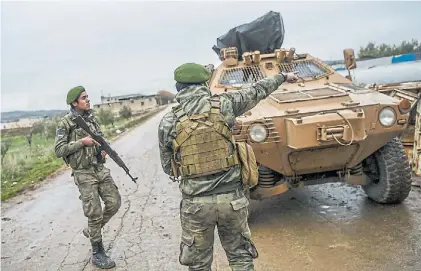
{"x": 62, "y": 109}
{"x": 131, "y": 47}
{"x": 358, "y": 69}
{"x": 120, "y": 93}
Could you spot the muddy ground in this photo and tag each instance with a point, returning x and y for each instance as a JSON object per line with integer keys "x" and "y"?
{"x": 326, "y": 227}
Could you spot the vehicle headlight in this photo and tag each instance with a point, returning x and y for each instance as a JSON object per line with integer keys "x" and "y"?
{"x": 258, "y": 133}
{"x": 387, "y": 116}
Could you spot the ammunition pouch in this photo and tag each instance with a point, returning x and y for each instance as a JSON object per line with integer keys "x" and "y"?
{"x": 249, "y": 168}
{"x": 204, "y": 144}
{"x": 216, "y": 166}
{"x": 175, "y": 168}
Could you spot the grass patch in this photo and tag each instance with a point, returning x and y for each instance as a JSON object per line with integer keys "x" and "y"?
{"x": 23, "y": 166}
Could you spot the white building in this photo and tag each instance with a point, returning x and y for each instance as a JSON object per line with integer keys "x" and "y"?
{"x": 136, "y": 102}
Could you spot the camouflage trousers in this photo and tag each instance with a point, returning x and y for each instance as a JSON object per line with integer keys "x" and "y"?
{"x": 200, "y": 215}
{"x": 93, "y": 186}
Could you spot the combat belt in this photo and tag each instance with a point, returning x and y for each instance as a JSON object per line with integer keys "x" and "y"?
{"x": 202, "y": 145}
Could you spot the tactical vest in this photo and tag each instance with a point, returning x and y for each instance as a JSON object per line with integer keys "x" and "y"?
{"x": 204, "y": 144}
{"x": 88, "y": 155}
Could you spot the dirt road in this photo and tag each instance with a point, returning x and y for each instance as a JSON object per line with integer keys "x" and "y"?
{"x": 329, "y": 227}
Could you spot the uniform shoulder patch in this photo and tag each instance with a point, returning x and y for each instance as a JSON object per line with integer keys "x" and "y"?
{"x": 60, "y": 132}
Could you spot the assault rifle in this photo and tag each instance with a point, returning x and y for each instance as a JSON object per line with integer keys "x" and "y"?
{"x": 104, "y": 145}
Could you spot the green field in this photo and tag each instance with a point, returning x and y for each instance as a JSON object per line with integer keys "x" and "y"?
{"x": 23, "y": 166}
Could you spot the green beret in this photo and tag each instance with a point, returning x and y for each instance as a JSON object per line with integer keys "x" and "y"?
{"x": 74, "y": 93}
{"x": 191, "y": 73}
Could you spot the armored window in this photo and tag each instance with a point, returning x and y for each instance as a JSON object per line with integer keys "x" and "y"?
{"x": 238, "y": 77}
{"x": 305, "y": 68}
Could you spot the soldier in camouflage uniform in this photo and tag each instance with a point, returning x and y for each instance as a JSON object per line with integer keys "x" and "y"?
{"x": 92, "y": 178}
{"x": 195, "y": 143}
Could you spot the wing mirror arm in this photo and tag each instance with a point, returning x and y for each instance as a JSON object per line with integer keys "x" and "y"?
{"x": 350, "y": 62}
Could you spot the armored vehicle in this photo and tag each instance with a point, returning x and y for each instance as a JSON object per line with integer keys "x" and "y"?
{"x": 320, "y": 129}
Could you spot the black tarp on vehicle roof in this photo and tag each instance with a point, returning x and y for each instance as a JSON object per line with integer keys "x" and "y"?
{"x": 264, "y": 34}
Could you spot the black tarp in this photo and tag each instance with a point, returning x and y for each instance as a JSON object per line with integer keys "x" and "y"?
{"x": 264, "y": 34}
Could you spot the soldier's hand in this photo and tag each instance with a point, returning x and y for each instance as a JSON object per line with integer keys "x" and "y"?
{"x": 89, "y": 141}
{"x": 103, "y": 153}
{"x": 292, "y": 77}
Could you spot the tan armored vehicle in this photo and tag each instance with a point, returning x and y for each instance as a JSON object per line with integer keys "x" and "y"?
{"x": 321, "y": 129}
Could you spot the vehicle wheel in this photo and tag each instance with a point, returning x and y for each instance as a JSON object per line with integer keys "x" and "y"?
{"x": 389, "y": 172}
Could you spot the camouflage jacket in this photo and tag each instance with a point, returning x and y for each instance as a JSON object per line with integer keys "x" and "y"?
{"x": 69, "y": 146}
{"x": 195, "y": 100}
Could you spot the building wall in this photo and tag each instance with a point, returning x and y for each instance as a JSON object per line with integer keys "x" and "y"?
{"x": 137, "y": 105}
{"x": 22, "y": 123}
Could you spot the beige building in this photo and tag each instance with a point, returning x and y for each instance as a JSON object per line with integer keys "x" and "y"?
{"x": 21, "y": 123}
{"x": 136, "y": 102}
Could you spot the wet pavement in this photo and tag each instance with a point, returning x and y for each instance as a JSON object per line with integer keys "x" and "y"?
{"x": 325, "y": 227}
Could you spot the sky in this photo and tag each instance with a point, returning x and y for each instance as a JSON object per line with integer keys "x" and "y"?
{"x": 116, "y": 47}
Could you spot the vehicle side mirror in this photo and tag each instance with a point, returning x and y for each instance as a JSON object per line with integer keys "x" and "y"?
{"x": 349, "y": 57}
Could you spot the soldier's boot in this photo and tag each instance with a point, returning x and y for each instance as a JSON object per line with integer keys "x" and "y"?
{"x": 99, "y": 258}
{"x": 101, "y": 248}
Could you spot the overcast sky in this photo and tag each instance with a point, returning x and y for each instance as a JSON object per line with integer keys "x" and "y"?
{"x": 134, "y": 47}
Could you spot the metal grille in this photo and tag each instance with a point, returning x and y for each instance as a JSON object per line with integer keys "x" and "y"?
{"x": 241, "y": 76}
{"x": 289, "y": 96}
{"x": 352, "y": 86}
{"x": 322, "y": 92}
{"x": 305, "y": 68}
{"x": 306, "y": 94}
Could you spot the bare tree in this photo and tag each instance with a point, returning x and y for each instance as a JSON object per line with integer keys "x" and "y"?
{"x": 125, "y": 112}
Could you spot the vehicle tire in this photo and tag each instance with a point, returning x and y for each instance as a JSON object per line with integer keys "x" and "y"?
{"x": 391, "y": 181}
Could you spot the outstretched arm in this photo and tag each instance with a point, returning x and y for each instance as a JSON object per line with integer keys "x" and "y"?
{"x": 246, "y": 99}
